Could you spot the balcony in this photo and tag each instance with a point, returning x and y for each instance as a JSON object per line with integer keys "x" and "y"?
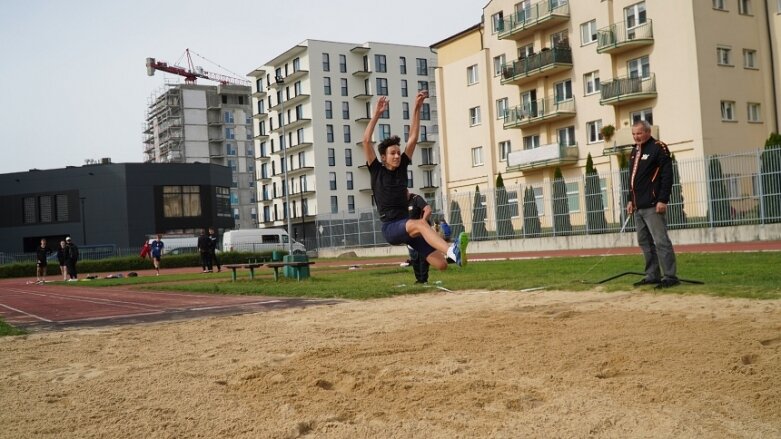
{"x": 428, "y": 164}
{"x": 363, "y": 96}
{"x": 428, "y": 139}
{"x": 617, "y": 38}
{"x": 539, "y": 16}
{"x": 548, "y": 62}
{"x": 627, "y": 89}
{"x": 363, "y": 73}
{"x": 298, "y": 146}
{"x": 299, "y": 170}
{"x": 538, "y": 112}
{"x": 545, "y": 156}
{"x": 292, "y": 125}
{"x": 291, "y": 102}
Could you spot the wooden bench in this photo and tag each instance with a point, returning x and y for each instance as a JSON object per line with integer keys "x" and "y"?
{"x": 297, "y": 264}
{"x": 251, "y": 267}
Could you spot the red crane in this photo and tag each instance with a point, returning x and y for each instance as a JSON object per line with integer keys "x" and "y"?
{"x": 191, "y": 73}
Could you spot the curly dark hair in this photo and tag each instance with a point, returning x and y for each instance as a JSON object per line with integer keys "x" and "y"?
{"x": 390, "y": 141}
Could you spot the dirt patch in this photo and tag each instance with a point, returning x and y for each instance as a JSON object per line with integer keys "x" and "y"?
{"x": 439, "y": 365}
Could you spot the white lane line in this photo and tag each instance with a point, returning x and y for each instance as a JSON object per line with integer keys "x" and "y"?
{"x": 92, "y": 319}
{"x": 25, "y": 313}
{"x": 95, "y": 300}
{"x": 233, "y": 305}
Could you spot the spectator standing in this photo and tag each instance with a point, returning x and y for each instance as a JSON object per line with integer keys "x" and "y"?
{"x": 156, "y": 249}
{"x": 213, "y": 239}
{"x": 205, "y": 250}
{"x": 41, "y": 255}
{"x": 71, "y": 258}
{"x": 61, "y": 259}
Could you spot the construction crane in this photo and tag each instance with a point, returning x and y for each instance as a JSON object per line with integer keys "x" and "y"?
{"x": 191, "y": 73}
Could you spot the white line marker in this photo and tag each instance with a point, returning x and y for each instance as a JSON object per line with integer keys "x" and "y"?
{"x": 25, "y": 313}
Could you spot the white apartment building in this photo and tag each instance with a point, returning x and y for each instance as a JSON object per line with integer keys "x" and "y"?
{"x": 188, "y": 123}
{"x": 530, "y": 88}
{"x": 311, "y": 107}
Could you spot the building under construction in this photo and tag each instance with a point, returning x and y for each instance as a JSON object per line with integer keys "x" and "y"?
{"x": 188, "y": 123}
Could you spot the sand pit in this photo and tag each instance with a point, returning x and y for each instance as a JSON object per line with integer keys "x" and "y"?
{"x": 438, "y": 365}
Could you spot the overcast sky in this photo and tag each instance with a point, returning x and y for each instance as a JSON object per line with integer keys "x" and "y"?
{"x": 73, "y": 83}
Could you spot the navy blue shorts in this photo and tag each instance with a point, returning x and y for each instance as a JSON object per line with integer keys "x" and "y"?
{"x": 395, "y": 232}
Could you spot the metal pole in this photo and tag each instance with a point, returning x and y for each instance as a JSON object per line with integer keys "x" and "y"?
{"x": 83, "y": 221}
{"x": 280, "y": 82}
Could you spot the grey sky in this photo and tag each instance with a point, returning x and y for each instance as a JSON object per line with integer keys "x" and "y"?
{"x": 72, "y": 76}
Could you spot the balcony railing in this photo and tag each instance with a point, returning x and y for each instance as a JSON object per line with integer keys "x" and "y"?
{"x": 547, "y": 61}
{"x": 539, "y": 111}
{"x": 617, "y": 38}
{"x": 544, "y": 156}
{"x": 535, "y": 17}
{"x": 626, "y": 89}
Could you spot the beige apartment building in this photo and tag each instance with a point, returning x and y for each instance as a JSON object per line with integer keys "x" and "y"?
{"x": 531, "y": 87}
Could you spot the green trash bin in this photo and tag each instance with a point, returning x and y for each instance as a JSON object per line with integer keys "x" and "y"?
{"x": 297, "y": 272}
{"x": 276, "y": 256}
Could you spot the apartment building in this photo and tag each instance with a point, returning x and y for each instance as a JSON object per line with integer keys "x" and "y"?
{"x": 532, "y": 86}
{"x": 311, "y": 106}
{"x": 188, "y": 123}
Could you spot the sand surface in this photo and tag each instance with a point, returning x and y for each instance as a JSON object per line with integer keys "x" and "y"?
{"x": 439, "y": 365}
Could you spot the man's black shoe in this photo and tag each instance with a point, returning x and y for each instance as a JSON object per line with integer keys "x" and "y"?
{"x": 667, "y": 283}
{"x": 646, "y": 282}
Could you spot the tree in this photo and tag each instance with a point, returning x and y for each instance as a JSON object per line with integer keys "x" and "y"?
{"x": 504, "y": 225}
{"x": 771, "y": 179}
{"x": 456, "y": 221}
{"x": 595, "y": 208}
{"x": 676, "y": 217}
{"x": 561, "y": 219}
{"x": 720, "y": 212}
{"x": 531, "y": 217}
{"x": 479, "y": 231}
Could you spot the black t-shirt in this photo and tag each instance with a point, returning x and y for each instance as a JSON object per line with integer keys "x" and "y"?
{"x": 390, "y": 189}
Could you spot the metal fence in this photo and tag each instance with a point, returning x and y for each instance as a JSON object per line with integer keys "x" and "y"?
{"x": 717, "y": 191}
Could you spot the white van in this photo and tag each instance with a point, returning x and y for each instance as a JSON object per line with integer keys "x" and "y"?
{"x": 259, "y": 240}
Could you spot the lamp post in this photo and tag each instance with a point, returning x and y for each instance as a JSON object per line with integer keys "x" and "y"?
{"x": 280, "y": 82}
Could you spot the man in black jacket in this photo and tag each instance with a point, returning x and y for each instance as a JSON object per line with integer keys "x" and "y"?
{"x": 205, "y": 250}
{"x": 651, "y": 182}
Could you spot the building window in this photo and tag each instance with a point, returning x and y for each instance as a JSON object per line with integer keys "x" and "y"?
{"x": 593, "y": 131}
{"x": 343, "y": 83}
{"x": 329, "y": 133}
{"x": 351, "y": 203}
{"x": 560, "y": 40}
{"x": 223, "y": 202}
{"x": 329, "y": 110}
{"x": 326, "y": 63}
{"x": 230, "y": 133}
{"x": 348, "y": 157}
{"x": 422, "y": 66}
{"x": 502, "y": 108}
{"x": 719, "y": 4}
{"x": 342, "y": 64}
{"x": 347, "y": 136}
{"x": 385, "y": 131}
{"x": 403, "y": 65}
{"x": 471, "y": 75}
{"x": 504, "y": 150}
{"x": 477, "y": 156}
{"x": 644, "y": 114}
{"x": 382, "y": 86}
{"x": 300, "y": 138}
{"x": 349, "y": 180}
{"x": 228, "y": 117}
{"x": 723, "y": 56}
{"x": 566, "y": 136}
{"x": 425, "y": 112}
{"x": 379, "y": 64}
{"x": 753, "y": 109}
{"x": 327, "y": 86}
{"x": 426, "y": 156}
{"x": 422, "y": 85}
{"x": 332, "y": 180}
{"x": 331, "y": 157}
{"x": 345, "y": 110}
{"x": 525, "y": 51}
{"x": 573, "y": 196}
{"x": 404, "y": 92}
{"x": 728, "y": 111}
{"x": 591, "y": 82}
{"x": 639, "y": 67}
{"x": 531, "y": 142}
{"x": 181, "y": 201}
{"x": 334, "y": 204}
{"x": 406, "y": 133}
{"x": 474, "y": 116}
{"x": 497, "y": 22}
{"x": 499, "y": 62}
{"x": 562, "y": 91}
{"x": 410, "y": 180}
{"x": 750, "y": 58}
{"x": 588, "y": 32}
{"x": 744, "y": 7}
